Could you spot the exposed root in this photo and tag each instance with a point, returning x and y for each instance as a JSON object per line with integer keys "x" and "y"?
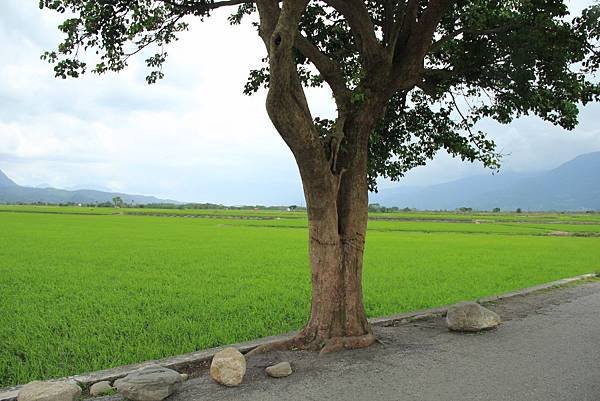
{"x": 300, "y": 342}
{"x": 283, "y": 345}
{"x": 341, "y": 343}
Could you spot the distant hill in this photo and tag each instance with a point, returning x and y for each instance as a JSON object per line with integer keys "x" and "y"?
{"x": 10, "y": 192}
{"x": 6, "y": 182}
{"x": 573, "y": 186}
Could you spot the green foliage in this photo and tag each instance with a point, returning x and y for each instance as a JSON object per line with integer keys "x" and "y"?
{"x": 508, "y": 59}
{"x": 118, "y": 201}
{"x": 408, "y": 137}
{"x": 377, "y": 208}
{"x": 116, "y": 30}
{"x": 511, "y": 58}
{"x": 589, "y": 25}
{"x": 90, "y": 292}
{"x": 491, "y": 59}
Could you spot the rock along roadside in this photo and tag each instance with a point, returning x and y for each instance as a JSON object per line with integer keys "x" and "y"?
{"x": 471, "y": 317}
{"x": 101, "y": 388}
{"x": 228, "y": 367}
{"x": 152, "y": 383}
{"x": 49, "y": 391}
{"x": 282, "y": 369}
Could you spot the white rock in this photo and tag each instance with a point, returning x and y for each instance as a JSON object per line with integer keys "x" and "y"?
{"x": 151, "y": 383}
{"x": 100, "y": 388}
{"x": 281, "y": 369}
{"x": 228, "y": 367}
{"x": 470, "y": 316}
{"x": 49, "y": 391}
{"x": 184, "y": 376}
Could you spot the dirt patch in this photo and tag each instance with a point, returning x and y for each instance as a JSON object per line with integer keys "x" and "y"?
{"x": 560, "y": 234}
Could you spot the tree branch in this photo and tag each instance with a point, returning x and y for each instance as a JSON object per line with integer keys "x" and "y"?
{"x": 191, "y": 5}
{"x": 356, "y": 14}
{"x": 415, "y": 40}
{"x": 403, "y": 26}
{"x": 286, "y": 102}
{"x": 389, "y": 21}
{"x": 435, "y": 46}
{"x": 268, "y": 11}
{"x": 420, "y": 39}
{"x": 329, "y": 69}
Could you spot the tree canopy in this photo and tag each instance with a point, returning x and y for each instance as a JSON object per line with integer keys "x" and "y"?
{"x": 494, "y": 59}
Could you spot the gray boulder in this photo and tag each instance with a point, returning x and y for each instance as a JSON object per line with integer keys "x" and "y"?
{"x": 472, "y": 317}
{"x": 281, "y": 369}
{"x": 228, "y": 367}
{"x": 152, "y": 383}
{"x": 101, "y": 388}
{"x": 49, "y": 391}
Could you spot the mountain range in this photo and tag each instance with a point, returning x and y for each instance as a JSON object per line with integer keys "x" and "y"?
{"x": 10, "y": 192}
{"x": 572, "y": 186}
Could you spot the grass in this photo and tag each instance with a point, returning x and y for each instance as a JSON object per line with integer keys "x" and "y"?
{"x": 88, "y": 292}
{"x": 544, "y": 217}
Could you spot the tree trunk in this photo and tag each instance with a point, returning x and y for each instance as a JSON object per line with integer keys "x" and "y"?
{"x": 334, "y": 178}
{"x": 337, "y": 202}
{"x": 337, "y": 310}
{"x": 337, "y": 206}
{"x": 333, "y": 166}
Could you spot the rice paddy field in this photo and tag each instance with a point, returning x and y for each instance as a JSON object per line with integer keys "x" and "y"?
{"x": 84, "y": 289}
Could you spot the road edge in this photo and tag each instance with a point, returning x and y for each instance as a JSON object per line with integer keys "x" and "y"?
{"x": 188, "y": 363}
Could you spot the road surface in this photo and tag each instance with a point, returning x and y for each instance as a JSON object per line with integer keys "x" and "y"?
{"x": 547, "y": 349}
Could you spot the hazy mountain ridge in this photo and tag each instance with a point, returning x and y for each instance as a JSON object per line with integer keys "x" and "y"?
{"x": 573, "y": 186}
{"x": 6, "y": 182}
{"x": 10, "y": 192}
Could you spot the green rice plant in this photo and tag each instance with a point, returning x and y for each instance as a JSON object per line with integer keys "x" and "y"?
{"x": 86, "y": 292}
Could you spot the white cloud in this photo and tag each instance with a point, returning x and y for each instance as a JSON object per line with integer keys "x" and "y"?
{"x": 193, "y": 136}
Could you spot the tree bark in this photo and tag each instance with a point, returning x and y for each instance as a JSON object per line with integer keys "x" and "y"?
{"x": 334, "y": 178}
{"x": 333, "y": 167}
{"x": 337, "y": 225}
{"x": 337, "y": 204}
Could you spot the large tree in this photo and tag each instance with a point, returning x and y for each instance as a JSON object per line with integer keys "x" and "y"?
{"x": 408, "y": 78}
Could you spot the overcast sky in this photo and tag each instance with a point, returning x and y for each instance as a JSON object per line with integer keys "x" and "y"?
{"x": 193, "y": 136}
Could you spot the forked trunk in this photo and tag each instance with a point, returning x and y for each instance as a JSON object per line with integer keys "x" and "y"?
{"x": 337, "y": 213}
{"x": 334, "y": 176}
{"x": 337, "y": 203}
{"x": 337, "y": 219}
{"x": 333, "y": 164}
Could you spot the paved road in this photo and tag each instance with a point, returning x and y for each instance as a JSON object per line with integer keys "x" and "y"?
{"x": 547, "y": 349}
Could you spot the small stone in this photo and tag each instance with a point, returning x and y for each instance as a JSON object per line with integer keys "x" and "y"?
{"x": 101, "y": 388}
{"x": 184, "y": 376}
{"x": 151, "y": 383}
{"x": 470, "y": 316}
{"x": 49, "y": 391}
{"x": 228, "y": 367}
{"x": 282, "y": 369}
